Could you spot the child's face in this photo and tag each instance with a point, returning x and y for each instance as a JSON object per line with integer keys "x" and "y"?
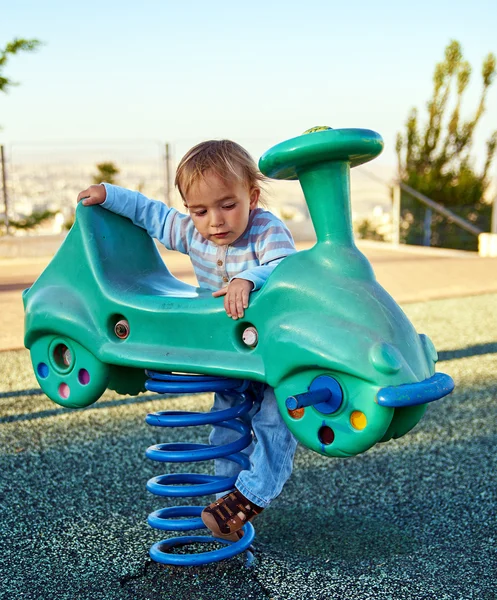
{"x": 219, "y": 208}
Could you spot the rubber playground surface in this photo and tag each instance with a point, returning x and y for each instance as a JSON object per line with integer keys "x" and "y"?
{"x": 411, "y": 519}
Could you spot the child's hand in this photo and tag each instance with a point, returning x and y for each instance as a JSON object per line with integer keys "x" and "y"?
{"x": 95, "y": 194}
{"x": 236, "y": 297}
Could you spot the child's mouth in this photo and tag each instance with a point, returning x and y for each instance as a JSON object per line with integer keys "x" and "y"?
{"x": 220, "y": 236}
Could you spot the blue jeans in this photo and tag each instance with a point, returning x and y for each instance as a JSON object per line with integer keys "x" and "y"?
{"x": 271, "y": 454}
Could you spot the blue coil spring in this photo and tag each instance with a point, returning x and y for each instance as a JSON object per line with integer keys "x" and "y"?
{"x": 181, "y": 485}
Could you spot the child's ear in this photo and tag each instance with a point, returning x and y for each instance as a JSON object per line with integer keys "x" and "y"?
{"x": 255, "y": 194}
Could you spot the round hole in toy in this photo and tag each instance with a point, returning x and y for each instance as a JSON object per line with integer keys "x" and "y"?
{"x": 250, "y": 336}
{"x": 122, "y": 329}
{"x": 64, "y": 391}
{"x": 42, "y": 370}
{"x": 245, "y": 336}
{"x": 326, "y": 435}
{"x": 62, "y": 356}
{"x": 83, "y": 377}
{"x": 358, "y": 420}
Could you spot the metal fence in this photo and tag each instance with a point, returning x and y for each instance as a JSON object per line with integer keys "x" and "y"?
{"x": 48, "y": 176}
{"x": 418, "y": 220}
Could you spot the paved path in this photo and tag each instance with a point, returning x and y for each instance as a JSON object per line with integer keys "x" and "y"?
{"x": 408, "y": 274}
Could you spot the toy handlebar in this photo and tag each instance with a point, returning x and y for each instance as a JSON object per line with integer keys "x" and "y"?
{"x": 321, "y": 159}
{"x": 318, "y": 145}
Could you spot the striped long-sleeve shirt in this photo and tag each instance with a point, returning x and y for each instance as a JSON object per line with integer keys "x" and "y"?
{"x": 253, "y": 256}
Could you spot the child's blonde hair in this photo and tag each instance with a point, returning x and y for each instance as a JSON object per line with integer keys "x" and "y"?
{"x": 226, "y": 159}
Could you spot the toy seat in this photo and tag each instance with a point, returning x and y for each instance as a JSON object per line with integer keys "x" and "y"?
{"x": 124, "y": 258}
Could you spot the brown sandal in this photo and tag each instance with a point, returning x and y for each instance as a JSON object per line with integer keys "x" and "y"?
{"x": 231, "y": 537}
{"x": 229, "y": 514}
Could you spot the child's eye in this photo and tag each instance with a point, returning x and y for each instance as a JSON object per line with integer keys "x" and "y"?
{"x": 229, "y": 206}
{"x": 199, "y": 213}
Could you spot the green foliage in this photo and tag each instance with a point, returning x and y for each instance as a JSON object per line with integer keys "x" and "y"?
{"x": 13, "y": 47}
{"x": 366, "y": 230}
{"x": 107, "y": 172}
{"x": 435, "y": 159}
{"x": 33, "y": 220}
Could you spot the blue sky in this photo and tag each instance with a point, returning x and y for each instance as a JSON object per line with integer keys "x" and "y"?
{"x": 257, "y": 72}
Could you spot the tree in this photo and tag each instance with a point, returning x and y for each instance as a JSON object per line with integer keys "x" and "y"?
{"x": 13, "y": 47}
{"x": 107, "y": 172}
{"x": 435, "y": 159}
{"x": 32, "y": 221}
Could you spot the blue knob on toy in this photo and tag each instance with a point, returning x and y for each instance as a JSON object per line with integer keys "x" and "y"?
{"x": 308, "y": 399}
{"x": 324, "y": 393}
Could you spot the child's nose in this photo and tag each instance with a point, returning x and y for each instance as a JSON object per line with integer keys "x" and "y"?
{"x": 217, "y": 218}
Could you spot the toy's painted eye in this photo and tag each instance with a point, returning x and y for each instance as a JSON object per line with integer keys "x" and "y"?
{"x": 429, "y": 347}
{"x": 385, "y": 358}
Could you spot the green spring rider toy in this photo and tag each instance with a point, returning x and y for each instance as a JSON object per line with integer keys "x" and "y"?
{"x": 347, "y": 366}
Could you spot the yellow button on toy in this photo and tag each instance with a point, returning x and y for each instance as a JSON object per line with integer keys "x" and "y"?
{"x": 358, "y": 420}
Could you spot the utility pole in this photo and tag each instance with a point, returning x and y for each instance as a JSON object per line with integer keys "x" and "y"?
{"x": 167, "y": 165}
{"x": 4, "y": 189}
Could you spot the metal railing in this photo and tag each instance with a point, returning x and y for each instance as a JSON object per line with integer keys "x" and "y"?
{"x": 431, "y": 206}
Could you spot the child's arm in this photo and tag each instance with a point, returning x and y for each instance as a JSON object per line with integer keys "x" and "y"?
{"x": 273, "y": 244}
{"x": 166, "y": 224}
